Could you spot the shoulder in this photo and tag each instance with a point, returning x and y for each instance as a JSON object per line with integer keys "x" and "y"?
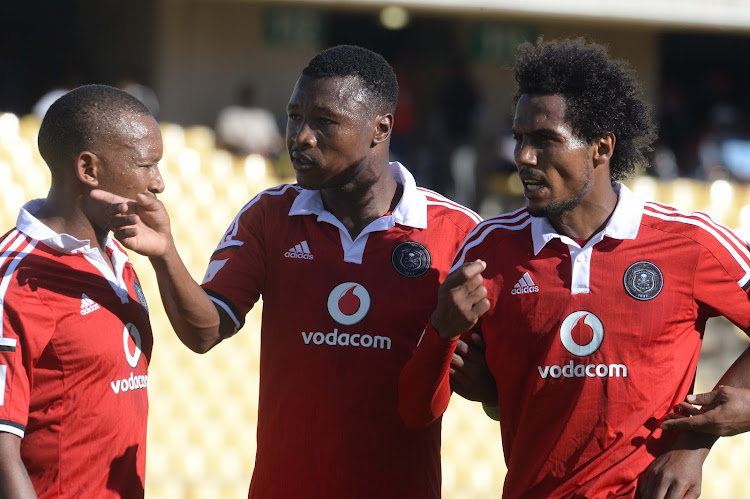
{"x": 281, "y": 194}
{"x": 440, "y": 207}
{"x": 502, "y": 226}
{"x": 274, "y": 198}
{"x": 274, "y": 202}
{"x": 697, "y": 228}
{"x": 15, "y": 246}
{"x": 21, "y": 264}
{"x": 497, "y": 230}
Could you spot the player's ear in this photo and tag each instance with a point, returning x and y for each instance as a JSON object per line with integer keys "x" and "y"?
{"x": 604, "y": 147}
{"x": 88, "y": 168}
{"x": 383, "y": 127}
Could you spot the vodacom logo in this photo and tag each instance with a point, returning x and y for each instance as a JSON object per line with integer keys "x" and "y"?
{"x": 130, "y": 331}
{"x": 566, "y": 333}
{"x": 348, "y": 303}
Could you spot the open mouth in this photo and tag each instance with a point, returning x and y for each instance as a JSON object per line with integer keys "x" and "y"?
{"x": 301, "y": 162}
{"x": 532, "y": 185}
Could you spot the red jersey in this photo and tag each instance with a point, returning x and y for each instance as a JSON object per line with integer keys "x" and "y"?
{"x": 340, "y": 319}
{"x": 75, "y": 343}
{"x": 591, "y": 346}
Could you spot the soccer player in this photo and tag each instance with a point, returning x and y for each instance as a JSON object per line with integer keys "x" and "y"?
{"x": 348, "y": 263}
{"x": 75, "y": 336}
{"x": 591, "y": 302}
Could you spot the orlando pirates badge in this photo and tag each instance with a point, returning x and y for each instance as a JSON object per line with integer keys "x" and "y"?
{"x": 411, "y": 259}
{"x": 139, "y": 295}
{"x": 643, "y": 280}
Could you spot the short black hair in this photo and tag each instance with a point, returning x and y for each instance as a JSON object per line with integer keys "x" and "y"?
{"x": 81, "y": 119}
{"x": 601, "y": 95}
{"x": 350, "y": 60}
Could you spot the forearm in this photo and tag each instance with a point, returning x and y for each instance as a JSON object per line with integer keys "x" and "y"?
{"x": 14, "y": 479}
{"x": 190, "y": 310}
{"x": 424, "y": 385}
{"x": 738, "y": 373}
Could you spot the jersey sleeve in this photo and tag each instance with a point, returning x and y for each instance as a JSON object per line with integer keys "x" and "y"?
{"x": 722, "y": 282}
{"x": 27, "y": 327}
{"x": 237, "y": 269}
{"x": 424, "y": 382}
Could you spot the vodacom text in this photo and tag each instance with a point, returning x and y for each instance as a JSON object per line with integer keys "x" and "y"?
{"x": 345, "y": 339}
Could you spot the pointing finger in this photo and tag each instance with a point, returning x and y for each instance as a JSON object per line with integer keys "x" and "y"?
{"x": 107, "y": 197}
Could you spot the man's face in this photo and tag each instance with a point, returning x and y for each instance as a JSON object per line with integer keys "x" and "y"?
{"x": 329, "y": 131}
{"x": 555, "y": 166}
{"x": 130, "y": 161}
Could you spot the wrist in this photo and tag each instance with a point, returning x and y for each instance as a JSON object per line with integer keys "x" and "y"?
{"x": 441, "y": 329}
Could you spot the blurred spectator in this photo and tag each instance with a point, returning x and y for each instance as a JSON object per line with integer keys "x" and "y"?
{"x": 60, "y": 88}
{"x": 140, "y": 92}
{"x": 245, "y": 128}
{"x": 403, "y": 136}
{"x": 457, "y": 107}
{"x": 46, "y": 100}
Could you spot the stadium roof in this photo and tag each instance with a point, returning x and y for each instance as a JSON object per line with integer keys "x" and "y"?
{"x": 733, "y": 15}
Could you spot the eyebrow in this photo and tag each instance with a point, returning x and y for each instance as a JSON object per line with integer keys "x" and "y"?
{"x": 319, "y": 109}
{"x": 537, "y": 131}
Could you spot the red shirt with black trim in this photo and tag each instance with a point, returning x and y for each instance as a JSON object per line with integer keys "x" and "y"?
{"x": 75, "y": 344}
{"x": 591, "y": 346}
{"x": 340, "y": 319}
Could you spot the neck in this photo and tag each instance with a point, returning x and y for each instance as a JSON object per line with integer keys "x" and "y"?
{"x": 588, "y": 218}
{"x": 64, "y": 216}
{"x": 359, "y": 203}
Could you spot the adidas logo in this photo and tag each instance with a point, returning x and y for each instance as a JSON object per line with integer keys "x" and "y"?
{"x": 88, "y": 305}
{"x": 300, "y": 250}
{"x": 524, "y": 285}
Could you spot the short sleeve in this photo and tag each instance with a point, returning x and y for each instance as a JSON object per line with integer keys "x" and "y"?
{"x": 27, "y": 327}
{"x": 719, "y": 289}
{"x": 237, "y": 269}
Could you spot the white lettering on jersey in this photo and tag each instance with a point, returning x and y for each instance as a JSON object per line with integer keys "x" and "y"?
{"x": 301, "y": 250}
{"x": 130, "y": 383}
{"x": 345, "y": 339}
{"x": 573, "y": 370}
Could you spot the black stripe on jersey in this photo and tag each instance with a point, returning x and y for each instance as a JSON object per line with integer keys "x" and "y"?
{"x": 7, "y": 422}
{"x": 225, "y": 301}
{"x": 7, "y": 348}
{"x": 746, "y": 286}
{"x": 219, "y": 250}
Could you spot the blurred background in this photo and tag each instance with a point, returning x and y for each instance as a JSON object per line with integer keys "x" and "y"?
{"x": 218, "y": 74}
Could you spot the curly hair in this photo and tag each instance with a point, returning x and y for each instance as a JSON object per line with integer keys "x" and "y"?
{"x": 83, "y": 118}
{"x": 350, "y": 60}
{"x": 601, "y": 95}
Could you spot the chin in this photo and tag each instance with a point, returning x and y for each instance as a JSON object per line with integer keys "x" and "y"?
{"x": 306, "y": 182}
{"x": 536, "y": 210}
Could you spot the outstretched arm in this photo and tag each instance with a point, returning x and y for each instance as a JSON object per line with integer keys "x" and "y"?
{"x": 424, "y": 386}
{"x": 725, "y": 411}
{"x": 142, "y": 225}
{"x": 14, "y": 480}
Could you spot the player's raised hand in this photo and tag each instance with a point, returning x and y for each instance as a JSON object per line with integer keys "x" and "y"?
{"x": 140, "y": 224}
{"x": 724, "y": 412}
{"x": 462, "y": 299}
